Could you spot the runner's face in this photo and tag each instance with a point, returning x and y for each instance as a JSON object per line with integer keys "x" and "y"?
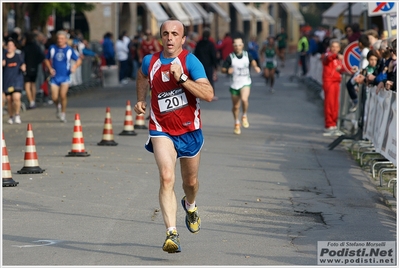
{"x": 61, "y": 40}
{"x": 238, "y": 45}
{"x": 11, "y": 47}
{"x": 172, "y": 38}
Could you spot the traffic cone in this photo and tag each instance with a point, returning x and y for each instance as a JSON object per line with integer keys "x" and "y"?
{"x": 78, "y": 146}
{"x": 128, "y": 128}
{"x": 140, "y": 122}
{"x": 6, "y": 168}
{"x": 31, "y": 163}
{"x": 108, "y": 134}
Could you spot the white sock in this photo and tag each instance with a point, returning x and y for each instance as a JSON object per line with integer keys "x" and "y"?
{"x": 32, "y": 103}
{"x": 190, "y": 206}
{"x": 237, "y": 121}
{"x": 171, "y": 229}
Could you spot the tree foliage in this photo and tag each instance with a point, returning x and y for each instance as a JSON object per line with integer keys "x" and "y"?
{"x": 39, "y": 12}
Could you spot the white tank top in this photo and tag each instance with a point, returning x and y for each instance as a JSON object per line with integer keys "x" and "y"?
{"x": 241, "y": 75}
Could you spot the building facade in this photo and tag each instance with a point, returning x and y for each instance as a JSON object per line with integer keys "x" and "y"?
{"x": 252, "y": 19}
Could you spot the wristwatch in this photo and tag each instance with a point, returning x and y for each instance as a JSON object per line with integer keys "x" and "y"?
{"x": 183, "y": 78}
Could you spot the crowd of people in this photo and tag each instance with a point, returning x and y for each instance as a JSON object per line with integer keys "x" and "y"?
{"x": 377, "y": 65}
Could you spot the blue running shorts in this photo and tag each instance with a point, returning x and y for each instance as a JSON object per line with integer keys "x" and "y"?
{"x": 187, "y": 145}
{"x": 58, "y": 80}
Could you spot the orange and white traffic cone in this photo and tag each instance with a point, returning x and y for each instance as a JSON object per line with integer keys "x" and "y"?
{"x": 31, "y": 163}
{"x": 108, "y": 134}
{"x": 128, "y": 128}
{"x": 78, "y": 144}
{"x": 140, "y": 122}
{"x": 6, "y": 168}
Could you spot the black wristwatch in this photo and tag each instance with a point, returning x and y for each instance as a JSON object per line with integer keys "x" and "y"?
{"x": 183, "y": 78}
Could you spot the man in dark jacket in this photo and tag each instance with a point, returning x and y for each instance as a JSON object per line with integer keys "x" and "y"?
{"x": 205, "y": 51}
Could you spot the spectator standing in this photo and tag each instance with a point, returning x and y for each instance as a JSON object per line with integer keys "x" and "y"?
{"x": 34, "y": 56}
{"x": 58, "y": 62}
{"x": 355, "y": 33}
{"x": 332, "y": 69}
{"x": 226, "y": 46}
{"x": 122, "y": 54}
{"x": 108, "y": 49}
{"x": 303, "y": 47}
{"x": 149, "y": 45}
{"x": 281, "y": 39}
{"x": 178, "y": 81}
{"x": 353, "y": 84}
{"x": 373, "y": 37}
{"x": 134, "y": 55}
{"x": 206, "y": 53}
{"x": 13, "y": 80}
{"x": 253, "y": 49}
{"x": 238, "y": 65}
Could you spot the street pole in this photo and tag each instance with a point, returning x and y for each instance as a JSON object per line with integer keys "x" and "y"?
{"x": 350, "y": 14}
{"x": 73, "y": 17}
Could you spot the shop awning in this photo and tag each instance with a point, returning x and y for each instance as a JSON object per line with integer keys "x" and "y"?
{"x": 203, "y": 13}
{"x": 178, "y": 12}
{"x": 260, "y": 16}
{"x": 192, "y": 11}
{"x": 157, "y": 11}
{"x": 331, "y": 15}
{"x": 256, "y": 13}
{"x": 243, "y": 10}
{"x": 269, "y": 18}
{"x": 290, "y": 8}
{"x": 220, "y": 11}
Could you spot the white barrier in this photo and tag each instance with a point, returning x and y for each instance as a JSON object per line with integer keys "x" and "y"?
{"x": 380, "y": 122}
{"x": 316, "y": 68}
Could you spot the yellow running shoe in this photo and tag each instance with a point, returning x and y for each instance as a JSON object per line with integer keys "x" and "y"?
{"x": 245, "y": 123}
{"x": 237, "y": 129}
{"x": 193, "y": 221}
{"x": 172, "y": 242}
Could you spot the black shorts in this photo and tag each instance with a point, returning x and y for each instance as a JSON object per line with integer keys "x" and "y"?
{"x": 10, "y": 92}
{"x": 30, "y": 77}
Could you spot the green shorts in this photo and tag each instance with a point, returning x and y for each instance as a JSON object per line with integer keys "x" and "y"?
{"x": 237, "y": 92}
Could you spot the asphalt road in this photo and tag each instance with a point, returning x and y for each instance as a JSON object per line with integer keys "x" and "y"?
{"x": 266, "y": 196}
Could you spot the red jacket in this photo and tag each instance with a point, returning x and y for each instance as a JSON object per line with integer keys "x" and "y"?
{"x": 226, "y": 47}
{"x": 330, "y": 63}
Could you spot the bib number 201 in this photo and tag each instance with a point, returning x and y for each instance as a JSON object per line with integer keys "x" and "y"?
{"x": 171, "y": 103}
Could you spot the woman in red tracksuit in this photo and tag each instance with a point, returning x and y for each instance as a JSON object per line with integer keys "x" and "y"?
{"x": 332, "y": 69}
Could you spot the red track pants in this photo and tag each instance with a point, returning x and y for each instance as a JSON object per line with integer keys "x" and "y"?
{"x": 331, "y": 102}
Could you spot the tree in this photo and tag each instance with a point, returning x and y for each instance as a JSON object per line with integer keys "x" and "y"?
{"x": 39, "y": 12}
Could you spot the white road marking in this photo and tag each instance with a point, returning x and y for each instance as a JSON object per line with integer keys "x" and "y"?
{"x": 43, "y": 243}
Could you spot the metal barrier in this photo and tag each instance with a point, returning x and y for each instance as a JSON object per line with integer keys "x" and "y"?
{"x": 89, "y": 76}
{"x": 372, "y": 127}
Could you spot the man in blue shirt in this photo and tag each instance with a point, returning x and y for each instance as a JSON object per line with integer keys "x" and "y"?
{"x": 58, "y": 61}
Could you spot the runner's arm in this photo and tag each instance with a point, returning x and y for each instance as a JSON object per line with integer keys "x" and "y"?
{"x": 142, "y": 88}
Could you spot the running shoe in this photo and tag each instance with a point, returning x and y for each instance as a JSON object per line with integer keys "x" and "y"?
{"x": 193, "y": 221}
{"x": 172, "y": 242}
{"x": 17, "y": 119}
{"x": 10, "y": 121}
{"x": 245, "y": 122}
{"x": 62, "y": 117}
{"x": 237, "y": 129}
